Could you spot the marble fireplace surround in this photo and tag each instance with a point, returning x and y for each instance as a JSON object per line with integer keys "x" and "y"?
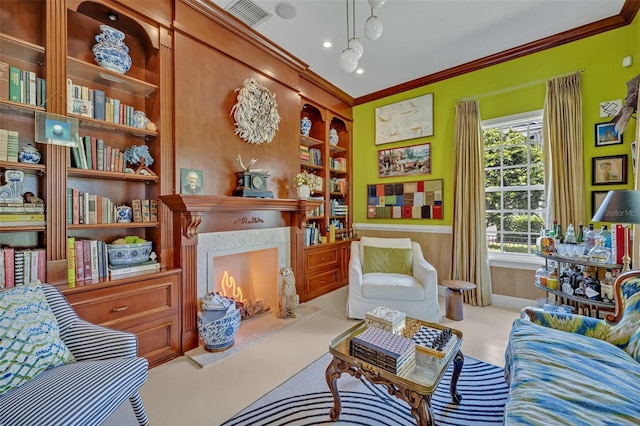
{"x": 223, "y": 213}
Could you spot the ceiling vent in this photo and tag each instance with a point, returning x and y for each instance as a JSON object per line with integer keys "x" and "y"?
{"x": 248, "y": 12}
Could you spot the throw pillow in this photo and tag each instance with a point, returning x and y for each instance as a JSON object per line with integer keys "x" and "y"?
{"x": 384, "y": 242}
{"x": 388, "y": 260}
{"x": 29, "y": 336}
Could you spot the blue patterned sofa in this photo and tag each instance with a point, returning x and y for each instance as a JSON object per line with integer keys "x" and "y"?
{"x": 565, "y": 369}
{"x": 57, "y": 369}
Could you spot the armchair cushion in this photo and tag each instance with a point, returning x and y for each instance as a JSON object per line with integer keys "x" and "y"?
{"x": 391, "y": 286}
{"x": 30, "y": 340}
{"x": 389, "y": 260}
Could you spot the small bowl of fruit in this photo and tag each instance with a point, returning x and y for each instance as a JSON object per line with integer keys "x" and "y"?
{"x": 129, "y": 250}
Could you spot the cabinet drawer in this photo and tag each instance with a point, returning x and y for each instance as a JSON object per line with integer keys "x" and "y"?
{"x": 128, "y": 304}
{"x": 158, "y": 339}
{"x": 323, "y": 258}
{"x": 318, "y": 284}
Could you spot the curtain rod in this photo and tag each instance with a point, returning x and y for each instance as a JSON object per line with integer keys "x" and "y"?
{"x": 521, "y": 86}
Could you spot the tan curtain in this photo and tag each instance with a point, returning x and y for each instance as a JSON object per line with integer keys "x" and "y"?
{"x": 635, "y": 244}
{"x": 563, "y": 155}
{"x": 470, "y": 261}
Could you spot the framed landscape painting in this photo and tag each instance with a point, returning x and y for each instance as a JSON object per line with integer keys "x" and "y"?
{"x": 404, "y": 120}
{"x": 404, "y": 161}
{"x": 606, "y": 134}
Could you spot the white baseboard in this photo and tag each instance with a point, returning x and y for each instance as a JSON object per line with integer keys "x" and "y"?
{"x": 501, "y": 300}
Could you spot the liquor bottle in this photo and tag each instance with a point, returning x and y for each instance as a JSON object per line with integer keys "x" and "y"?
{"x": 589, "y": 239}
{"x": 607, "y": 236}
{"x": 580, "y": 237}
{"x": 570, "y": 238}
{"x": 552, "y": 279}
{"x": 599, "y": 253}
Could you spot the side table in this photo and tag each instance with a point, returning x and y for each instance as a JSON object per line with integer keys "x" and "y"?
{"x": 453, "y": 297}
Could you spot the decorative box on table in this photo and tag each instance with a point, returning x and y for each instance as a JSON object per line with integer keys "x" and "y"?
{"x": 387, "y": 319}
{"x": 384, "y": 349}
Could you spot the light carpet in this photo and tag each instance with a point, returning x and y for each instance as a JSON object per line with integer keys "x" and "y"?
{"x": 251, "y": 330}
{"x": 305, "y": 400}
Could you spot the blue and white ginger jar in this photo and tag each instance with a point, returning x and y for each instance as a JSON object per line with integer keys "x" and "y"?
{"x": 305, "y": 126}
{"x": 110, "y": 52}
{"x": 333, "y": 137}
{"x": 29, "y": 154}
{"x": 218, "y": 322}
{"x": 139, "y": 120}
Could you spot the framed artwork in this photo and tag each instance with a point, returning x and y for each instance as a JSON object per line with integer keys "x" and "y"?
{"x": 55, "y": 129}
{"x": 404, "y": 120}
{"x": 406, "y": 200}
{"x": 609, "y": 170}
{"x": 191, "y": 182}
{"x": 606, "y": 134}
{"x": 597, "y": 197}
{"x": 404, "y": 161}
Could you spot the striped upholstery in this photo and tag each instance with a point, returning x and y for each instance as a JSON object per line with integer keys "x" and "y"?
{"x": 570, "y": 369}
{"x": 107, "y": 373}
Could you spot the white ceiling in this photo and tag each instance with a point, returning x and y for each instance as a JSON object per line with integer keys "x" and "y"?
{"x": 420, "y": 37}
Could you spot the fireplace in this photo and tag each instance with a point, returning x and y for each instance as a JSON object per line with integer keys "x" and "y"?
{"x": 252, "y": 258}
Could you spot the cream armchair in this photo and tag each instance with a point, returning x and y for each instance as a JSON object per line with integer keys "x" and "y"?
{"x": 414, "y": 290}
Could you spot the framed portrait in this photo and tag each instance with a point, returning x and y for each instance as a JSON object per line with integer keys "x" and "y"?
{"x": 597, "y": 197}
{"x": 609, "y": 170}
{"x": 404, "y": 120}
{"x": 606, "y": 134}
{"x": 404, "y": 161}
{"x": 191, "y": 182}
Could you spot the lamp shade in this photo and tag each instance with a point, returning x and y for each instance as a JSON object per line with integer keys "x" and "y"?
{"x": 348, "y": 60}
{"x": 375, "y": 4}
{"x": 357, "y": 47}
{"x": 619, "y": 206}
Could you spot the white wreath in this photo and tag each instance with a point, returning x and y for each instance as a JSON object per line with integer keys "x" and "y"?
{"x": 256, "y": 113}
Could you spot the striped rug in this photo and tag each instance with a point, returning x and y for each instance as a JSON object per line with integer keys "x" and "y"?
{"x": 305, "y": 400}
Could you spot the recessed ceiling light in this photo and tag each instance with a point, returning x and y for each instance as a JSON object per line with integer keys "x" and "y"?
{"x": 285, "y": 10}
{"x": 359, "y": 71}
{"x": 326, "y": 44}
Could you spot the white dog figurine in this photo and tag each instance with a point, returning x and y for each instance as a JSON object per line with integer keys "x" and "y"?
{"x": 288, "y": 298}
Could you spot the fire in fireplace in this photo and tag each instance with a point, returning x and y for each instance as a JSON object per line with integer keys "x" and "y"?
{"x": 248, "y": 307}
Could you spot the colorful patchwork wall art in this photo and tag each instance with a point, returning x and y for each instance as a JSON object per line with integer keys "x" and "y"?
{"x": 406, "y": 200}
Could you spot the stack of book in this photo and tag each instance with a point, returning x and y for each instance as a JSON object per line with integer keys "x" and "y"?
{"x": 21, "y": 214}
{"x": 149, "y": 265}
{"x": 383, "y": 349}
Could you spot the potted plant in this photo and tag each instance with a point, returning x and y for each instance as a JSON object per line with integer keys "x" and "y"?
{"x": 304, "y": 184}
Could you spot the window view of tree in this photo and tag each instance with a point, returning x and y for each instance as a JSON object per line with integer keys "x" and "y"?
{"x": 514, "y": 182}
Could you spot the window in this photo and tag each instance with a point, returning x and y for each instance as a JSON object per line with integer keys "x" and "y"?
{"x": 514, "y": 182}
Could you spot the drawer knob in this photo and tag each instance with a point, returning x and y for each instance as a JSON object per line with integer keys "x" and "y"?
{"x": 120, "y": 309}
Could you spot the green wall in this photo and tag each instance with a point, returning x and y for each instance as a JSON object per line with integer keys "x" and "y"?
{"x": 512, "y": 87}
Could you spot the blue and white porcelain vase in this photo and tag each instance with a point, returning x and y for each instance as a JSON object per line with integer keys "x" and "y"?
{"x": 139, "y": 120}
{"x": 218, "y": 322}
{"x": 110, "y": 52}
{"x": 124, "y": 214}
{"x": 305, "y": 126}
{"x": 29, "y": 154}
{"x": 333, "y": 137}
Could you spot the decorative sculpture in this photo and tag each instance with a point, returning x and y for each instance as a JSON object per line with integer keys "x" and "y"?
{"x": 256, "y": 113}
{"x": 289, "y": 300}
{"x": 10, "y": 191}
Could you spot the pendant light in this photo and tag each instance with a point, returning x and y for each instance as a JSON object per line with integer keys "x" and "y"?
{"x": 373, "y": 27}
{"x": 377, "y": 4}
{"x": 354, "y": 42}
{"x": 348, "y": 60}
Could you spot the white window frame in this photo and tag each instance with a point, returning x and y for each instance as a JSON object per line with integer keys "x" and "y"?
{"x": 513, "y": 260}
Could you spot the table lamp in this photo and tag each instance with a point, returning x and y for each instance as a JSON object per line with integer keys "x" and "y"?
{"x": 620, "y": 207}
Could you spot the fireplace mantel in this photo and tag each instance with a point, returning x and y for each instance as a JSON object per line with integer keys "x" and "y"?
{"x": 191, "y": 207}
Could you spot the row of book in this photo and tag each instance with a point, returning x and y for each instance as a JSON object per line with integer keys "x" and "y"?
{"x": 311, "y": 234}
{"x": 22, "y": 86}
{"x": 9, "y": 145}
{"x": 85, "y": 208}
{"x": 94, "y": 103}
{"x": 20, "y": 214}
{"x": 312, "y": 156}
{"x": 318, "y": 211}
{"x": 338, "y": 185}
{"x": 338, "y": 163}
{"x": 145, "y": 210}
{"x": 22, "y": 266}
{"x": 93, "y": 153}
{"x": 86, "y": 260}
{"x": 338, "y": 208}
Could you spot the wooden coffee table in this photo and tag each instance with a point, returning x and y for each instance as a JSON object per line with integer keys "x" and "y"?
{"x": 415, "y": 387}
